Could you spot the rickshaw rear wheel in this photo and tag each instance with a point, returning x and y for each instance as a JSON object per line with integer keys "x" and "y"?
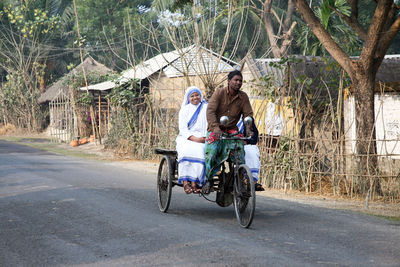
{"x": 244, "y": 196}
{"x": 164, "y": 183}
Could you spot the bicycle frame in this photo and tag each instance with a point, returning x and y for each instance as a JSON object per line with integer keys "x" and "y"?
{"x": 228, "y": 182}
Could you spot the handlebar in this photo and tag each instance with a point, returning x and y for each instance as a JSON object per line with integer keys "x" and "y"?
{"x": 234, "y": 136}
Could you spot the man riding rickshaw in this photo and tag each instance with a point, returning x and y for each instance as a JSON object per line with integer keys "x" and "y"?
{"x": 195, "y": 167}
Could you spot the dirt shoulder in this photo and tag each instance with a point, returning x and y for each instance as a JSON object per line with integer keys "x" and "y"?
{"x": 97, "y": 152}
{"x": 377, "y": 208}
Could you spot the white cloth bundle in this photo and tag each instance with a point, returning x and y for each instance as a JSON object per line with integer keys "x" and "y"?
{"x": 252, "y": 158}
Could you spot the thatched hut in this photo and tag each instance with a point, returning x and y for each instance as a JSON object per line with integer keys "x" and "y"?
{"x": 63, "y": 120}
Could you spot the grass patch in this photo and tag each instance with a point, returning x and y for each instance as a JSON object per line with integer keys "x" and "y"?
{"x": 390, "y": 218}
{"x": 47, "y": 145}
{"x": 11, "y": 138}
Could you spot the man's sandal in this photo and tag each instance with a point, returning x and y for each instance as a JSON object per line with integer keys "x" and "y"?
{"x": 207, "y": 188}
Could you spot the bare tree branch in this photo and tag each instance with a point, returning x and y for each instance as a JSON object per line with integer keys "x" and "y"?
{"x": 289, "y": 14}
{"x": 287, "y": 40}
{"x": 275, "y": 36}
{"x": 270, "y": 31}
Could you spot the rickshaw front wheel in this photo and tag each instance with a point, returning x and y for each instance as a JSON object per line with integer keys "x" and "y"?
{"x": 244, "y": 196}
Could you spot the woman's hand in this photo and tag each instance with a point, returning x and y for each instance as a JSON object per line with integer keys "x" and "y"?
{"x": 197, "y": 139}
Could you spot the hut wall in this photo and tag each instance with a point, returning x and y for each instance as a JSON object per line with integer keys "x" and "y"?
{"x": 168, "y": 92}
{"x": 387, "y": 108}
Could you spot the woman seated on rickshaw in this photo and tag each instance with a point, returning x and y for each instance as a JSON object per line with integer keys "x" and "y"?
{"x": 191, "y": 140}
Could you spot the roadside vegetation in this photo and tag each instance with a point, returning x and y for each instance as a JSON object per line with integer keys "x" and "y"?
{"x": 40, "y": 41}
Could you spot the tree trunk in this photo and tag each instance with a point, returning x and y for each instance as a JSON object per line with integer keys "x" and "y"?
{"x": 363, "y": 83}
{"x": 384, "y": 25}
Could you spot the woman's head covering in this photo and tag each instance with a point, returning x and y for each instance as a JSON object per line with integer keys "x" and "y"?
{"x": 192, "y": 109}
{"x": 189, "y": 91}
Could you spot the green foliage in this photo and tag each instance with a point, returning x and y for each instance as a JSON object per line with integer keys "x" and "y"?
{"x": 120, "y": 137}
{"x": 107, "y": 26}
{"x": 28, "y": 31}
{"x": 77, "y": 80}
{"x": 334, "y": 25}
{"x": 123, "y": 33}
{"x": 85, "y": 99}
{"x": 124, "y": 95}
{"x": 326, "y": 10}
{"x": 33, "y": 23}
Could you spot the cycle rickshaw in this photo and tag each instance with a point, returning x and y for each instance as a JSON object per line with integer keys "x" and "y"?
{"x": 233, "y": 183}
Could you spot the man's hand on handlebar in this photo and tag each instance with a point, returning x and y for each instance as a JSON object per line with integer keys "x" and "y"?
{"x": 218, "y": 133}
{"x": 249, "y": 131}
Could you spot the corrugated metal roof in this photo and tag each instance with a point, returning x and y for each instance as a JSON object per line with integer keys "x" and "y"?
{"x": 141, "y": 71}
{"x": 199, "y": 61}
{"x": 151, "y": 66}
{"x": 265, "y": 68}
{"x": 192, "y": 60}
{"x": 100, "y": 86}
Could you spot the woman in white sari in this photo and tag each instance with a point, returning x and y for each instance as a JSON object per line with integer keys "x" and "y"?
{"x": 190, "y": 141}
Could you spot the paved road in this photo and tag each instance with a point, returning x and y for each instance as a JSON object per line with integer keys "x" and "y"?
{"x": 58, "y": 211}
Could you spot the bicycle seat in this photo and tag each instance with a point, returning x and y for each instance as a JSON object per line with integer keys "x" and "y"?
{"x": 163, "y": 151}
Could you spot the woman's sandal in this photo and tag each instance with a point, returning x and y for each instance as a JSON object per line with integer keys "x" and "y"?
{"x": 195, "y": 189}
{"x": 187, "y": 188}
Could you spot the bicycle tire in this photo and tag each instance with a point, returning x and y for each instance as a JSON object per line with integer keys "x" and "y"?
{"x": 164, "y": 183}
{"x": 244, "y": 196}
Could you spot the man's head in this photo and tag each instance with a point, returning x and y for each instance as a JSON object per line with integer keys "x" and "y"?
{"x": 235, "y": 80}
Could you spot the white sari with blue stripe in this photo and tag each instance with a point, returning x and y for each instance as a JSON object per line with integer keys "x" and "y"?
{"x": 252, "y": 155}
{"x": 191, "y": 155}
